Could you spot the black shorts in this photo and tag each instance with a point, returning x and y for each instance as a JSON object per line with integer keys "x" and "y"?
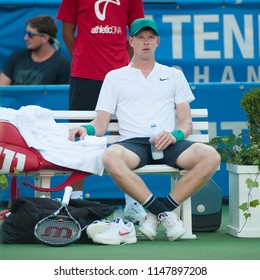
{"x": 142, "y": 147}
{"x": 84, "y": 93}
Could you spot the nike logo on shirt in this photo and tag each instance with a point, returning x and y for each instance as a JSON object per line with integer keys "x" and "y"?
{"x": 164, "y": 79}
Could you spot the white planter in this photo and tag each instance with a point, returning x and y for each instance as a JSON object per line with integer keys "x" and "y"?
{"x": 238, "y": 194}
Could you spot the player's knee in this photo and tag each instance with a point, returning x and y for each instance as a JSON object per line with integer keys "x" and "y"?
{"x": 215, "y": 157}
{"x": 110, "y": 159}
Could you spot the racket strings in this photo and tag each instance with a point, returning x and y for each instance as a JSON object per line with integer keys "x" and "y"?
{"x": 58, "y": 231}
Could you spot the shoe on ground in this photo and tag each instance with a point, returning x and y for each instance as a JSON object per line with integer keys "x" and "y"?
{"x": 134, "y": 212}
{"x": 116, "y": 234}
{"x": 173, "y": 225}
{"x": 97, "y": 227}
{"x": 148, "y": 226}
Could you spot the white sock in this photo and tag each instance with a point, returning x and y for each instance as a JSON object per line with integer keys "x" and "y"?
{"x": 76, "y": 195}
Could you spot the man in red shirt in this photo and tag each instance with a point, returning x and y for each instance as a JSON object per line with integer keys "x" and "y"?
{"x": 95, "y": 33}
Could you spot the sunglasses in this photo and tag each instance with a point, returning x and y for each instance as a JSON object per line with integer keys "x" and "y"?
{"x": 31, "y": 34}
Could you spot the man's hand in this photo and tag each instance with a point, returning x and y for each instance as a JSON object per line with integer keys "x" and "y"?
{"x": 164, "y": 139}
{"x": 77, "y": 132}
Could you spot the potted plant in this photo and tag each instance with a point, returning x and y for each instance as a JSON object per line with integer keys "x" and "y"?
{"x": 242, "y": 156}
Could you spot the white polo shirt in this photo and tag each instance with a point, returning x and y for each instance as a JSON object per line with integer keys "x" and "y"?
{"x": 139, "y": 102}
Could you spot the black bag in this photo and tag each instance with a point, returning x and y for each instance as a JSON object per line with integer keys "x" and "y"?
{"x": 18, "y": 227}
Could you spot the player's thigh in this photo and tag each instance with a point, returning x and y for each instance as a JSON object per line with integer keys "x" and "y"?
{"x": 121, "y": 154}
{"x": 194, "y": 154}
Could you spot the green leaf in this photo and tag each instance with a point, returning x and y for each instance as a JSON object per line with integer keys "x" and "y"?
{"x": 3, "y": 182}
{"x": 243, "y": 206}
{"x": 247, "y": 215}
{"x": 3, "y": 179}
{"x": 254, "y": 203}
{"x": 251, "y": 184}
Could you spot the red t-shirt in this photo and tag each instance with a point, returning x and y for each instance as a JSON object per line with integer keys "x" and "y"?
{"x": 101, "y": 41}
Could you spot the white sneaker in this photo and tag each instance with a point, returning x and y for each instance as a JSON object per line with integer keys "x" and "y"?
{"x": 134, "y": 212}
{"x": 97, "y": 227}
{"x": 173, "y": 225}
{"x": 116, "y": 234}
{"x": 148, "y": 226}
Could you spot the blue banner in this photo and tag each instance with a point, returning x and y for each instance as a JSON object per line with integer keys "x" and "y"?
{"x": 211, "y": 41}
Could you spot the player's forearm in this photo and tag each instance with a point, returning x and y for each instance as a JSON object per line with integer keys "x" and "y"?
{"x": 186, "y": 127}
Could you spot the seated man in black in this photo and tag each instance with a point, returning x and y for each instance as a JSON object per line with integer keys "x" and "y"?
{"x": 40, "y": 62}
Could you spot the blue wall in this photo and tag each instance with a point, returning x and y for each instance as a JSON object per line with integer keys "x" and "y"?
{"x": 206, "y": 39}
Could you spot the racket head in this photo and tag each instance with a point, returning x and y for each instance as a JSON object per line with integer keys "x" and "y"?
{"x": 59, "y": 228}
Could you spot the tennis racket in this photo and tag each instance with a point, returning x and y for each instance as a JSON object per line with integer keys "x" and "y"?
{"x": 60, "y": 228}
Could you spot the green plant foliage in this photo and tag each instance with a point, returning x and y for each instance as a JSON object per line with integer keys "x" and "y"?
{"x": 251, "y": 184}
{"x": 3, "y": 182}
{"x": 251, "y": 105}
{"x": 245, "y": 206}
{"x": 233, "y": 149}
{"x": 254, "y": 203}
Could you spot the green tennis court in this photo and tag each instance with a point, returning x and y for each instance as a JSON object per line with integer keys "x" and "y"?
{"x": 216, "y": 245}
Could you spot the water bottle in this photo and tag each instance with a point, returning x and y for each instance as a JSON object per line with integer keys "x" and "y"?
{"x": 119, "y": 213}
{"x": 156, "y": 154}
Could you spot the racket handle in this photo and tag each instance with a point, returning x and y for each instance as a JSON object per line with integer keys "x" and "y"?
{"x": 66, "y": 196}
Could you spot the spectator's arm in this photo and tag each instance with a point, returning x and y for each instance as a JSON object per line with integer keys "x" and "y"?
{"x": 4, "y": 80}
{"x": 68, "y": 36}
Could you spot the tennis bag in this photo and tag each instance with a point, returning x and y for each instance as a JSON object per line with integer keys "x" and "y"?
{"x": 16, "y": 156}
{"x": 26, "y": 212}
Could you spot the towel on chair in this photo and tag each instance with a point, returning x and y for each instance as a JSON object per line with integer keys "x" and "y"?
{"x": 40, "y": 131}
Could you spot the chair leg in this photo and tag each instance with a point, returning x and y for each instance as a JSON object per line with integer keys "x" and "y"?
{"x": 184, "y": 211}
{"x": 43, "y": 181}
{"x": 186, "y": 217}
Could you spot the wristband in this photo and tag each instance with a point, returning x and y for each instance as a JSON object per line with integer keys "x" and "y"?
{"x": 90, "y": 129}
{"x": 178, "y": 134}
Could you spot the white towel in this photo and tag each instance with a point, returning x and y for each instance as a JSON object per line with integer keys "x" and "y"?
{"x": 40, "y": 131}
